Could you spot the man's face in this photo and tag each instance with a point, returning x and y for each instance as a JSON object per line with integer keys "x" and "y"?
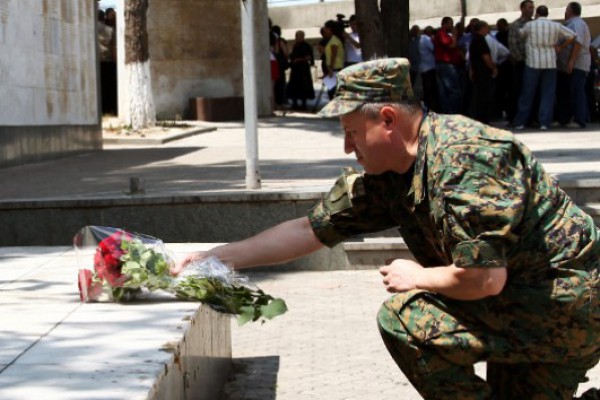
{"x": 367, "y": 139}
{"x": 568, "y": 13}
{"x": 528, "y": 10}
{"x": 449, "y": 25}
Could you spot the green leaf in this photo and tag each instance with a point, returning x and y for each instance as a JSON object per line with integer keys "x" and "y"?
{"x": 274, "y": 308}
{"x": 145, "y": 257}
{"x": 161, "y": 267}
{"x": 129, "y": 266}
{"x": 246, "y": 315}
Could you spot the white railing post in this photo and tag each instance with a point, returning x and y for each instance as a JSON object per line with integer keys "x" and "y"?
{"x": 250, "y": 106}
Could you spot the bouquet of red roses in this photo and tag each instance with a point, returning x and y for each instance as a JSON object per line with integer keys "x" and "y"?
{"x": 125, "y": 265}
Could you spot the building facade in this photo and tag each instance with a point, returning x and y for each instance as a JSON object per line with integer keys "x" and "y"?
{"x": 48, "y": 80}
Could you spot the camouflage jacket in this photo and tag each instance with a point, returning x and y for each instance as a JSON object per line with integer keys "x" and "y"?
{"x": 476, "y": 198}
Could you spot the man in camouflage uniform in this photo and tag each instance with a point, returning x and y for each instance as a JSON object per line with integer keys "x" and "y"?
{"x": 507, "y": 266}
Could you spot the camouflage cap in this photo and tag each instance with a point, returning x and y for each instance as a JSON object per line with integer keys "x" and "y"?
{"x": 377, "y": 81}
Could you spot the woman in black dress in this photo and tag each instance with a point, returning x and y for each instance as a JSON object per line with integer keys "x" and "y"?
{"x": 300, "y": 87}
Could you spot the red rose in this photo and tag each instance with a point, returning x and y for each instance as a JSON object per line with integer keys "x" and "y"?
{"x": 107, "y": 261}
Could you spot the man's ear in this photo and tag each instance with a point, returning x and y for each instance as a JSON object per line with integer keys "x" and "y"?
{"x": 389, "y": 116}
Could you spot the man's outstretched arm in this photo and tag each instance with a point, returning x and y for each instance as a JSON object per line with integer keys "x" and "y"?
{"x": 284, "y": 242}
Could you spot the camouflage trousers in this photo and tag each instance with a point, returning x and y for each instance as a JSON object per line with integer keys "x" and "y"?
{"x": 436, "y": 341}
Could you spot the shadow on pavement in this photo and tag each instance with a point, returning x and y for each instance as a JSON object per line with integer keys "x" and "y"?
{"x": 108, "y": 173}
{"x": 252, "y": 378}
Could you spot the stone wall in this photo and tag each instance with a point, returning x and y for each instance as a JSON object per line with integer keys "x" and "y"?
{"x": 196, "y": 51}
{"x": 48, "y": 79}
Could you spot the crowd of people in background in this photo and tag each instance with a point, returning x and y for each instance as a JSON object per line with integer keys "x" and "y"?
{"x": 338, "y": 48}
{"x": 530, "y": 72}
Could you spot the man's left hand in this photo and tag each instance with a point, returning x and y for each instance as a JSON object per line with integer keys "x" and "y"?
{"x": 400, "y": 275}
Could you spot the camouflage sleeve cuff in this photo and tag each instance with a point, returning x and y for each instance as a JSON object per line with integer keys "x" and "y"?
{"x": 479, "y": 254}
{"x": 321, "y": 226}
{"x": 339, "y": 199}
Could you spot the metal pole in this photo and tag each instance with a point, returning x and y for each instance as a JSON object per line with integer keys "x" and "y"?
{"x": 250, "y": 106}
{"x": 463, "y": 8}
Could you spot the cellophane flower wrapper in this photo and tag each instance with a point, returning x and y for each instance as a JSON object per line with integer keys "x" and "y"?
{"x": 116, "y": 265}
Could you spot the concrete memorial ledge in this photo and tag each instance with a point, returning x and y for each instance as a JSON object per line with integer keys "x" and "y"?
{"x": 52, "y": 346}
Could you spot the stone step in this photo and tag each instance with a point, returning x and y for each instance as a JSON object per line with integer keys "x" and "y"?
{"x": 373, "y": 252}
{"x": 209, "y": 217}
{"x": 582, "y": 191}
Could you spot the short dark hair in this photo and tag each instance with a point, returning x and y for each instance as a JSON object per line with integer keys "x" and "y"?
{"x": 480, "y": 24}
{"x": 446, "y": 19}
{"x": 575, "y": 8}
{"x": 524, "y": 2}
{"x": 542, "y": 11}
{"x": 371, "y": 110}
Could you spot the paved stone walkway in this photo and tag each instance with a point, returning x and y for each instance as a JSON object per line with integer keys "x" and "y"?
{"x": 327, "y": 347}
{"x": 296, "y": 152}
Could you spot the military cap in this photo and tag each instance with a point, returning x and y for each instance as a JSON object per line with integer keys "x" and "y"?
{"x": 378, "y": 81}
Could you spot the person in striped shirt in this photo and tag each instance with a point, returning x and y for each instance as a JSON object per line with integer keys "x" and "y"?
{"x": 541, "y": 45}
{"x": 574, "y": 64}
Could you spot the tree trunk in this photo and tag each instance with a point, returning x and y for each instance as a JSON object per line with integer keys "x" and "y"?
{"x": 395, "y": 17}
{"x": 369, "y": 29}
{"x": 383, "y": 33}
{"x": 142, "y": 113}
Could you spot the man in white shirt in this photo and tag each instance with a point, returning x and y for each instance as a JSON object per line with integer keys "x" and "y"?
{"x": 541, "y": 38}
{"x": 498, "y": 51}
{"x": 574, "y": 63}
{"x": 352, "y": 44}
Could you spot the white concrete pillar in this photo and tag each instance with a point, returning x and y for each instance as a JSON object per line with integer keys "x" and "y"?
{"x": 250, "y": 93}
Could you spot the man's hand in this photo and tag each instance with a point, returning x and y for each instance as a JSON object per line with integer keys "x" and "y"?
{"x": 451, "y": 281}
{"x": 400, "y": 275}
{"x": 182, "y": 264}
